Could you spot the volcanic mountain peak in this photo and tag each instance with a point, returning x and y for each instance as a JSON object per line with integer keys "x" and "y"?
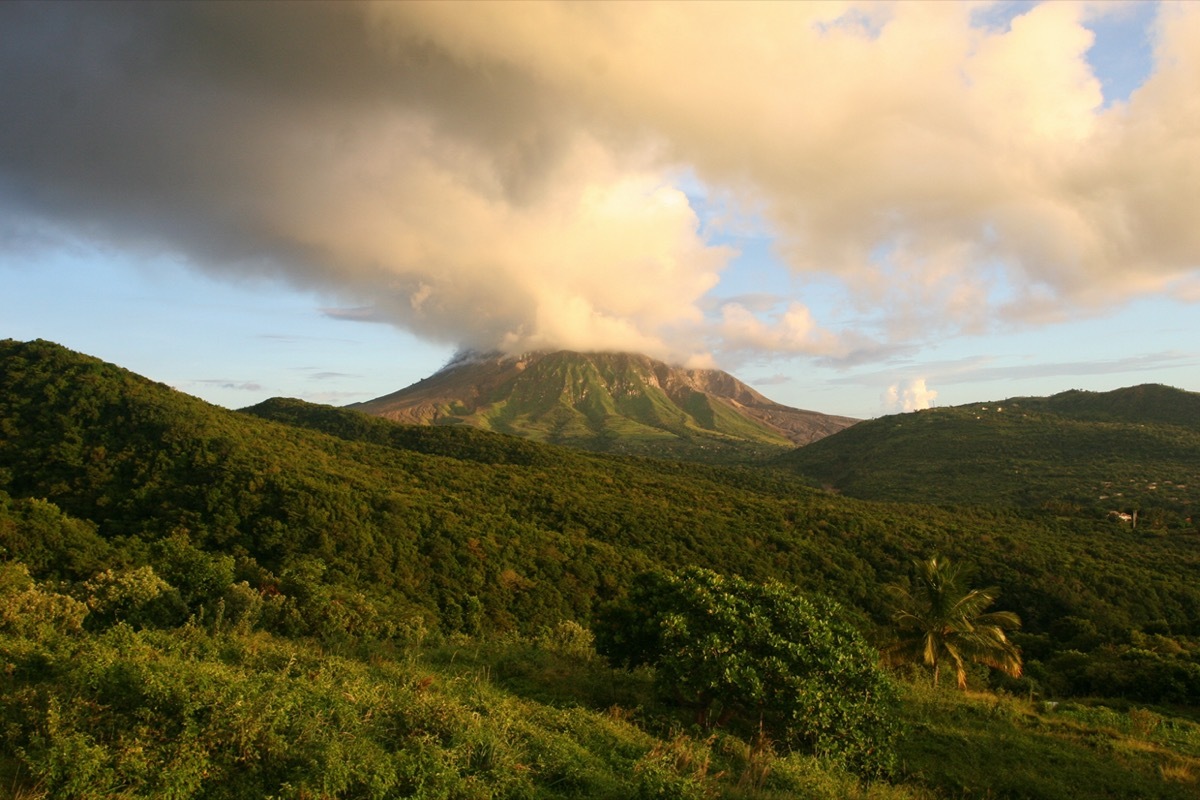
{"x": 618, "y": 402}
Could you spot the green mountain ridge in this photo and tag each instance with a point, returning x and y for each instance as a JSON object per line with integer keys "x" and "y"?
{"x": 423, "y": 516}
{"x": 1130, "y": 449}
{"x": 608, "y": 402}
{"x": 1145, "y": 404}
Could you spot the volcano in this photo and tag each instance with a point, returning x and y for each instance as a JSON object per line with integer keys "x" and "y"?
{"x": 608, "y": 402}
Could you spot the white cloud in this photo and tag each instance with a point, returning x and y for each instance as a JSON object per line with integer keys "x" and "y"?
{"x": 793, "y": 331}
{"x": 501, "y": 176}
{"x": 911, "y": 395}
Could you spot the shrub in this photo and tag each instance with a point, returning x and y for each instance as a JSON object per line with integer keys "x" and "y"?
{"x": 763, "y": 655}
{"x": 138, "y": 597}
{"x": 28, "y": 610}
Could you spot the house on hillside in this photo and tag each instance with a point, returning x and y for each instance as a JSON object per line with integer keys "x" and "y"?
{"x": 1121, "y": 516}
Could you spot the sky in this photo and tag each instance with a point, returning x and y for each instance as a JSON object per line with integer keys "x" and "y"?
{"x": 857, "y": 208}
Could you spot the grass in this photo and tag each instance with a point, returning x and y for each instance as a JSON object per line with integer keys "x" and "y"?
{"x": 955, "y": 745}
{"x": 188, "y": 714}
{"x": 986, "y": 745}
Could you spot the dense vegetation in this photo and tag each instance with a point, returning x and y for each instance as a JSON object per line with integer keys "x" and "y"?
{"x": 1098, "y": 454}
{"x": 190, "y": 593}
{"x": 759, "y": 654}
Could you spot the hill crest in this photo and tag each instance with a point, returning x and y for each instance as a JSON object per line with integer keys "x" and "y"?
{"x": 1130, "y": 448}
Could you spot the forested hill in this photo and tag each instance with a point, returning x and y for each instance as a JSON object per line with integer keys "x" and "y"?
{"x": 1150, "y": 403}
{"x": 460, "y": 442}
{"x": 347, "y": 524}
{"x": 1079, "y": 452}
{"x": 467, "y": 529}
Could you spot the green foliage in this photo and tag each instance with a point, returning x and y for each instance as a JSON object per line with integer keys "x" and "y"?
{"x": 200, "y": 577}
{"x": 1076, "y": 453}
{"x": 941, "y": 621}
{"x": 761, "y": 653}
{"x": 53, "y": 544}
{"x": 136, "y": 596}
{"x": 29, "y": 610}
{"x": 1125, "y": 671}
{"x": 355, "y": 530}
{"x": 461, "y": 443}
{"x": 188, "y": 715}
{"x": 569, "y": 638}
{"x": 675, "y": 770}
{"x": 981, "y": 745}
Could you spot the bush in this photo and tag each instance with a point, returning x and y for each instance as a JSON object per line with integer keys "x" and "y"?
{"x": 138, "y": 597}
{"x": 28, "y": 610}
{"x": 761, "y": 655}
{"x": 570, "y": 639}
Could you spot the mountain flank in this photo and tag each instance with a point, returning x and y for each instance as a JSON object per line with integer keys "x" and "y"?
{"x": 1132, "y": 449}
{"x": 608, "y": 402}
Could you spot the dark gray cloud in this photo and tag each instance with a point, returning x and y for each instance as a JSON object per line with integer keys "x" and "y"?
{"x": 346, "y": 152}
{"x": 499, "y": 176}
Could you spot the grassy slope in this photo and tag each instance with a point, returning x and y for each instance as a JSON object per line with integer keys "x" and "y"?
{"x": 236, "y": 715}
{"x": 982, "y": 745}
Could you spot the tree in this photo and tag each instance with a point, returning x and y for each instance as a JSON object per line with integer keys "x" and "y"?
{"x": 941, "y": 621}
{"x": 762, "y": 655}
{"x": 138, "y": 597}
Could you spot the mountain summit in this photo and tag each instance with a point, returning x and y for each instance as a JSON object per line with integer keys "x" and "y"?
{"x": 610, "y": 402}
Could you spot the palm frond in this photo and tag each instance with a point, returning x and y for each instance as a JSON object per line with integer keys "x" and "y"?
{"x": 942, "y": 621}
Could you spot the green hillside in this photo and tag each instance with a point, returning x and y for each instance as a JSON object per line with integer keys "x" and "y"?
{"x": 429, "y": 519}
{"x": 1093, "y": 453}
{"x": 1146, "y": 404}
{"x": 618, "y": 403}
{"x": 567, "y": 400}
{"x": 298, "y": 600}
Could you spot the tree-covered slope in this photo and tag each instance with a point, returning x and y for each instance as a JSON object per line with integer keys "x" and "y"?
{"x": 348, "y": 525}
{"x": 1147, "y": 404}
{"x": 462, "y": 443}
{"x": 1130, "y": 449}
{"x": 304, "y": 601}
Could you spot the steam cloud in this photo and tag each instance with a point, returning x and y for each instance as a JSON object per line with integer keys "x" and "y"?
{"x": 912, "y": 395}
{"x": 511, "y": 177}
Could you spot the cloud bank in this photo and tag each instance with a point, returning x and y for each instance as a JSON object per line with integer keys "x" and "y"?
{"x": 500, "y": 176}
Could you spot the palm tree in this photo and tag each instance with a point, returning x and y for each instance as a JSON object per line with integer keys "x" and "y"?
{"x": 941, "y": 621}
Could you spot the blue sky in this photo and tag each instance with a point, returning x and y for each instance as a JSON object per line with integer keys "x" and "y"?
{"x": 244, "y": 232}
